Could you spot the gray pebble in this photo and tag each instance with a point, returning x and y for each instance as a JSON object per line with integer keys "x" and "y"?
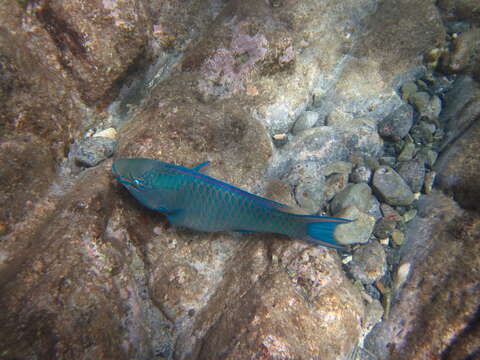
{"x": 280, "y": 139}
{"x": 305, "y": 121}
{"x": 337, "y": 167}
{"x": 397, "y": 125}
{"x": 357, "y": 231}
{"x": 372, "y": 162}
{"x": 408, "y": 89}
{"x": 360, "y": 174}
{"x": 384, "y": 228}
{"x": 423, "y": 132}
{"x": 421, "y": 101}
{"x": 398, "y": 237}
{"x": 391, "y": 187}
{"x": 93, "y": 150}
{"x": 309, "y": 194}
{"x": 427, "y": 157}
{"x": 413, "y": 172}
{"x": 388, "y": 161}
{"x": 333, "y": 185}
{"x": 369, "y": 262}
{"x": 428, "y": 183}
{"x": 409, "y": 215}
{"x": 373, "y": 291}
{"x": 374, "y": 208}
{"x": 408, "y": 152}
{"x": 390, "y": 213}
{"x": 354, "y": 194}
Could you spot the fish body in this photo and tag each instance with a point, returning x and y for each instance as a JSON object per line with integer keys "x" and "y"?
{"x": 194, "y": 200}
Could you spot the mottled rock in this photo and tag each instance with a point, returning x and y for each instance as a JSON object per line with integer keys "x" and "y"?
{"x": 317, "y": 147}
{"x": 333, "y": 185}
{"x": 369, "y": 262}
{"x": 354, "y": 194}
{"x": 361, "y": 174}
{"x": 384, "y": 227}
{"x": 93, "y": 150}
{"x": 413, "y": 172}
{"x": 309, "y": 194}
{"x": 358, "y": 231}
{"x": 305, "y": 121}
{"x": 260, "y": 57}
{"x": 397, "y": 125}
{"x": 440, "y": 295}
{"x": 391, "y": 187}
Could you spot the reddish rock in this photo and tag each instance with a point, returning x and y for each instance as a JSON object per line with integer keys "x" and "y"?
{"x": 96, "y": 41}
{"x": 77, "y": 287}
{"x": 403, "y": 31}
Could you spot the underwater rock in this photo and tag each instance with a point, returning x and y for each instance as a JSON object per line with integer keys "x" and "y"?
{"x": 368, "y": 262}
{"x": 361, "y": 173}
{"x": 354, "y": 194}
{"x": 358, "y": 231}
{"x": 397, "y": 124}
{"x": 413, "y": 172}
{"x": 384, "y": 227}
{"x": 93, "y": 150}
{"x": 391, "y": 187}
{"x": 305, "y": 121}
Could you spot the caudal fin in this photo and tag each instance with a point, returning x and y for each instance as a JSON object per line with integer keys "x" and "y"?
{"x": 319, "y": 230}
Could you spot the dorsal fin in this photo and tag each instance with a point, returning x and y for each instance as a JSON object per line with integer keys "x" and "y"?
{"x": 198, "y": 167}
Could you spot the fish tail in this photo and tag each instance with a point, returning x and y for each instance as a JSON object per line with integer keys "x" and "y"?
{"x": 318, "y": 230}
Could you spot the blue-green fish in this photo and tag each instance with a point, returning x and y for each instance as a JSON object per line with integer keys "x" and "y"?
{"x": 191, "y": 199}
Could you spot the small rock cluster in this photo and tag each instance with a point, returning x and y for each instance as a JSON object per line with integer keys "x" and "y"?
{"x": 380, "y": 193}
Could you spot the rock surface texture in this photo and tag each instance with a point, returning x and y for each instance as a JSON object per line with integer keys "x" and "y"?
{"x": 286, "y": 99}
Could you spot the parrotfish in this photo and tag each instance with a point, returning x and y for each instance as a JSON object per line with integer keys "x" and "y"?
{"x": 194, "y": 200}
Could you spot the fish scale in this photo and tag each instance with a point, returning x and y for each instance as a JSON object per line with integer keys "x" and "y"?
{"x": 191, "y": 199}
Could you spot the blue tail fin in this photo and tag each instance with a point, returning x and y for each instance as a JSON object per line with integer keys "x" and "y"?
{"x": 319, "y": 230}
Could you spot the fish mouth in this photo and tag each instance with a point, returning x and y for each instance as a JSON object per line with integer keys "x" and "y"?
{"x": 122, "y": 179}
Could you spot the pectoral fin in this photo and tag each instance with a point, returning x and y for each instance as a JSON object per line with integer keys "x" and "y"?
{"x": 200, "y": 166}
{"x": 243, "y": 231}
{"x": 175, "y": 217}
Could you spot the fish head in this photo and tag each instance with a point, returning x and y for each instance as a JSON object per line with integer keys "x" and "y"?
{"x": 137, "y": 175}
